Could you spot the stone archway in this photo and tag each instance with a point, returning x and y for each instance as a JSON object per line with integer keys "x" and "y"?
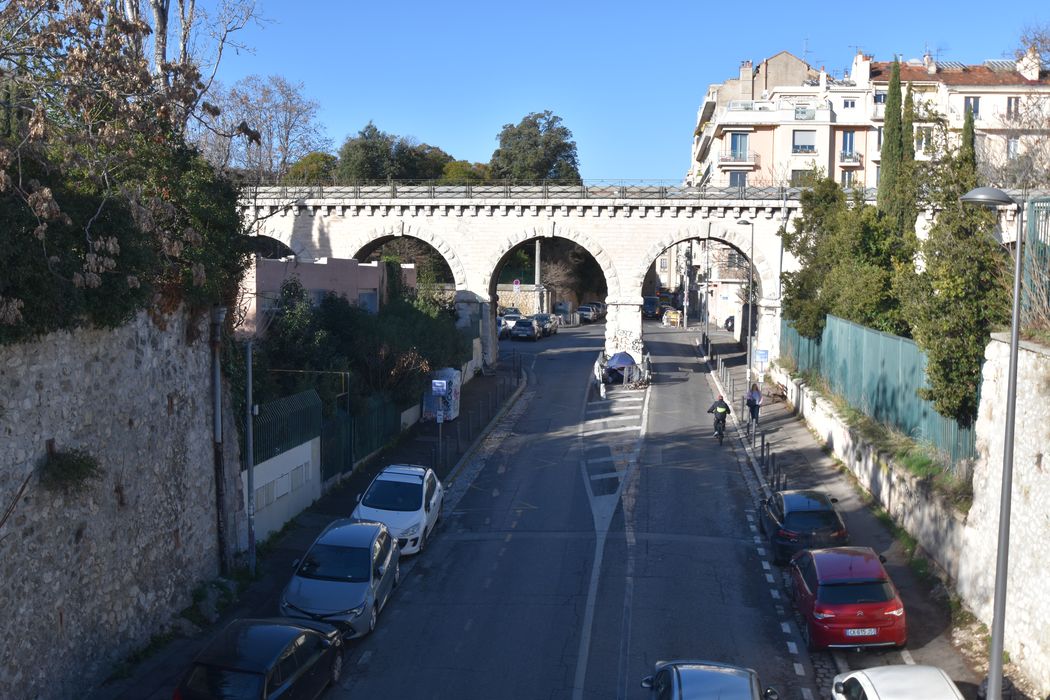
{"x": 451, "y": 257}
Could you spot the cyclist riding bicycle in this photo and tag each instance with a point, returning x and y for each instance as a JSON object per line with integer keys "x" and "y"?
{"x": 721, "y": 410}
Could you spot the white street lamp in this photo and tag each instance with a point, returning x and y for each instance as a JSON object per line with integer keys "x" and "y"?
{"x": 750, "y": 295}
{"x": 991, "y": 197}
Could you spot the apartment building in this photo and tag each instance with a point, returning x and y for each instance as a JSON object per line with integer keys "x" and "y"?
{"x": 780, "y": 122}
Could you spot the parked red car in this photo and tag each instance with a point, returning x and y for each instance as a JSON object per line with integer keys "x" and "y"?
{"x": 847, "y": 599}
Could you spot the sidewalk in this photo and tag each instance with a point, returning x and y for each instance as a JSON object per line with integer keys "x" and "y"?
{"x": 482, "y": 401}
{"x": 804, "y": 463}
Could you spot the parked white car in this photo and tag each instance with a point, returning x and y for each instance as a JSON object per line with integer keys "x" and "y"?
{"x": 900, "y": 682}
{"x": 407, "y": 499}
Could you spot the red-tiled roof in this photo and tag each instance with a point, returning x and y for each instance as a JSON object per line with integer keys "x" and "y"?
{"x": 967, "y": 75}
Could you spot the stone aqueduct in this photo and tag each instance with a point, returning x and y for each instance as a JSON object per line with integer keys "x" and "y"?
{"x": 474, "y": 229}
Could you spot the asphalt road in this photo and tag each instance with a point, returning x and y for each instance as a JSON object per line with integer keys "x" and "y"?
{"x": 596, "y": 537}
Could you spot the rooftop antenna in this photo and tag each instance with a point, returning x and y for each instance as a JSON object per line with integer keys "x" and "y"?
{"x": 805, "y": 50}
{"x": 856, "y": 48}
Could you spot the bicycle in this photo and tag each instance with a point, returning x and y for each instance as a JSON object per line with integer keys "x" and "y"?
{"x": 720, "y": 427}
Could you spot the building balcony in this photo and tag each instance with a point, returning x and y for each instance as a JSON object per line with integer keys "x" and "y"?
{"x": 803, "y": 150}
{"x": 730, "y": 159}
{"x": 878, "y": 111}
{"x": 850, "y": 159}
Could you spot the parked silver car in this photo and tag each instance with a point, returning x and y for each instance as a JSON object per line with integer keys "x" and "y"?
{"x": 346, "y": 577}
{"x": 705, "y": 679}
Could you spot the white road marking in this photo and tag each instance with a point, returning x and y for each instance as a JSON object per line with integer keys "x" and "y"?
{"x": 792, "y": 647}
{"x": 750, "y": 518}
{"x": 765, "y": 564}
{"x": 605, "y": 431}
{"x": 507, "y": 538}
{"x": 591, "y": 422}
{"x": 365, "y": 656}
{"x": 761, "y": 551}
{"x": 757, "y": 539}
{"x": 799, "y": 671}
{"x": 495, "y": 493}
{"x": 753, "y": 528}
{"x": 769, "y": 578}
{"x": 906, "y": 655}
{"x": 807, "y": 694}
{"x": 786, "y": 627}
{"x": 595, "y": 460}
{"x": 775, "y": 593}
{"x": 606, "y": 475}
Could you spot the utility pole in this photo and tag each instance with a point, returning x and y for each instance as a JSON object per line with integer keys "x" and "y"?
{"x": 218, "y": 319}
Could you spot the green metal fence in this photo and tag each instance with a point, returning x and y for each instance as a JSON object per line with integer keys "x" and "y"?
{"x": 878, "y": 374}
{"x": 1037, "y": 261}
{"x": 284, "y": 424}
{"x": 376, "y": 426}
{"x": 337, "y": 454}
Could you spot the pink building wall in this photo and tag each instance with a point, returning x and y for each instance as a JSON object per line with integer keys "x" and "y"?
{"x": 360, "y": 283}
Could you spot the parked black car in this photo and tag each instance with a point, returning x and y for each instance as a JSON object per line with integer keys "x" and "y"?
{"x": 269, "y": 658}
{"x": 797, "y": 520}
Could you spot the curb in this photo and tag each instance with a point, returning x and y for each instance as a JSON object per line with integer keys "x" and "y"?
{"x": 472, "y": 448}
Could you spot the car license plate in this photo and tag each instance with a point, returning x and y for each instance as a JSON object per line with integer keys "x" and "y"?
{"x": 861, "y": 632}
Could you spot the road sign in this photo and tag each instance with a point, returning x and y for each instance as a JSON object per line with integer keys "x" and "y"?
{"x": 439, "y": 416}
{"x": 438, "y": 387}
{"x": 517, "y": 285}
{"x": 762, "y": 355}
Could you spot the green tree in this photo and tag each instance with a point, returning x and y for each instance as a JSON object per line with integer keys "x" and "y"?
{"x": 464, "y": 172}
{"x": 314, "y": 167}
{"x": 905, "y": 200}
{"x": 891, "y": 153}
{"x": 847, "y": 264}
{"x": 803, "y": 303}
{"x": 539, "y": 147}
{"x": 961, "y": 294}
{"x": 367, "y": 156}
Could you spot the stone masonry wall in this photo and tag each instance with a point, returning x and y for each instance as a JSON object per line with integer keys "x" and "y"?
{"x": 89, "y": 576}
{"x": 965, "y": 546}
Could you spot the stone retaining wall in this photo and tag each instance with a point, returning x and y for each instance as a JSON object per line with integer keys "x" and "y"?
{"x": 965, "y": 546}
{"x": 89, "y": 576}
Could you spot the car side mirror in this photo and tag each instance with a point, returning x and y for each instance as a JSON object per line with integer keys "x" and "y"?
{"x": 295, "y": 564}
{"x": 358, "y": 498}
{"x": 840, "y": 688}
{"x": 647, "y": 682}
{"x": 882, "y": 559}
{"x": 426, "y": 506}
{"x": 379, "y": 572}
{"x": 765, "y": 501}
{"x": 834, "y": 500}
{"x": 771, "y": 694}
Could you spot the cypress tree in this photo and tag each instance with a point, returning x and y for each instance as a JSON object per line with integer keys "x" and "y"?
{"x": 968, "y": 152}
{"x": 891, "y": 143}
{"x": 905, "y": 207}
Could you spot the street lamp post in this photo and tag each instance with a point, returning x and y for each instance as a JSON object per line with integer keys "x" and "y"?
{"x": 750, "y": 294}
{"x": 991, "y": 197}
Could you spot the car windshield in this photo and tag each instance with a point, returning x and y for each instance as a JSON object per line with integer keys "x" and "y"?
{"x": 542, "y": 318}
{"x": 855, "y": 592}
{"x": 334, "y": 563}
{"x": 394, "y": 495}
{"x": 222, "y": 683}
{"x": 810, "y": 520}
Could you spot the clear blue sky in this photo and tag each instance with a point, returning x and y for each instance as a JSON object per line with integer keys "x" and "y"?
{"x": 626, "y": 77}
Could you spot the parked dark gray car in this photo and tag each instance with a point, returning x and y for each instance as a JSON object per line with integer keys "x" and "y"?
{"x": 346, "y": 577}
{"x": 797, "y": 520}
{"x": 270, "y": 658}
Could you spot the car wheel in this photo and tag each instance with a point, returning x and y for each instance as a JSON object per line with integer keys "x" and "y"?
{"x": 372, "y": 618}
{"x": 423, "y": 540}
{"x": 337, "y": 668}
{"x": 397, "y": 574}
